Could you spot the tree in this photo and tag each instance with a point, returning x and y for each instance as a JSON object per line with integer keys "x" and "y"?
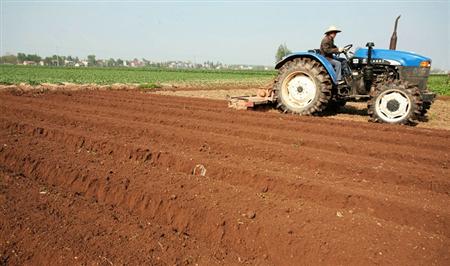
{"x": 119, "y": 62}
{"x": 146, "y": 62}
{"x": 282, "y": 51}
{"x": 48, "y": 61}
{"x": 111, "y": 62}
{"x": 91, "y": 60}
{"x": 33, "y": 57}
{"x": 21, "y": 57}
{"x": 8, "y": 59}
{"x": 57, "y": 60}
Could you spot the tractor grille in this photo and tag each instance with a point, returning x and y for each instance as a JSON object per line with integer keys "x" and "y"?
{"x": 415, "y": 75}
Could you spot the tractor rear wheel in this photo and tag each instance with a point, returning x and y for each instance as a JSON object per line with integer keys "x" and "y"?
{"x": 395, "y": 102}
{"x": 303, "y": 87}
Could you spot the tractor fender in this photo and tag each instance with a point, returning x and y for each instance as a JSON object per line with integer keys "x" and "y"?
{"x": 315, "y": 56}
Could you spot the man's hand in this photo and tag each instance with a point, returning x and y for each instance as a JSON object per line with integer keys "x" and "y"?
{"x": 341, "y": 50}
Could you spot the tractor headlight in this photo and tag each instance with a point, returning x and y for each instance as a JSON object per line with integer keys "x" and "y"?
{"x": 425, "y": 64}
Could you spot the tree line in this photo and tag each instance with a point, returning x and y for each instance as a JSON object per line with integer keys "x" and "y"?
{"x": 55, "y": 60}
{"x": 60, "y": 60}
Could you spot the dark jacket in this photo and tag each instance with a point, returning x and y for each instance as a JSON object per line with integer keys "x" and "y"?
{"x": 327, "y": 47}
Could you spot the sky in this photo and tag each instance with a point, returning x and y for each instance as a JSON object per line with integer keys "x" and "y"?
{"x": 232, "y": 32}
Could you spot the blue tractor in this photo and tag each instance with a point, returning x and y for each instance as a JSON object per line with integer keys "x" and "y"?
{"x": 394, "y": 84}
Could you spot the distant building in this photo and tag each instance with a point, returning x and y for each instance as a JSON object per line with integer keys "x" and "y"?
{"x": 136, "y": 63}
{"x": 69, "y": 62}
{"x": 29, "y": 63}
{"x": 100, "y": 62}
{"x": 82, "y": 63}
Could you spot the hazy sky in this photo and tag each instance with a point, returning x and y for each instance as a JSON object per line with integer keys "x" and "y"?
{"x": 233, "y": 32}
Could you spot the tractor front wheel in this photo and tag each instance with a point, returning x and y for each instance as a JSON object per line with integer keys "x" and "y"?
{"x": 395, "y": 102}
{"x": 303, "y": 87}
{"x": 423, "y": 112}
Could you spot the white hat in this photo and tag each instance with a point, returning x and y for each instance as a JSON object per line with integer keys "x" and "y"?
{"x": 332, "y": 29}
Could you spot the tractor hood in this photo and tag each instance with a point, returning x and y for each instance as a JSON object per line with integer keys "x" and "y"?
{"x": 395, "y": 57}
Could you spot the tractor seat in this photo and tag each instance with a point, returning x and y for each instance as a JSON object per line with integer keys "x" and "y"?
{"x": 317, "y": 51}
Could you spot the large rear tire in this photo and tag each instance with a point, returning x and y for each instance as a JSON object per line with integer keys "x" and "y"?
{"x": 302, "y": 87}
{"x": 395, "y": 102}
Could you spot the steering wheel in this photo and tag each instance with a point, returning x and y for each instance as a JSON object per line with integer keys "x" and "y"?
{"x": 347, "y": 48}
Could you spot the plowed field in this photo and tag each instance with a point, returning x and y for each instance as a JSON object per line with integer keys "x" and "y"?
{"x": 114, "y": 177}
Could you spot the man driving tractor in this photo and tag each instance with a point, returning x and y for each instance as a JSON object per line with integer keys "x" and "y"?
{"x": 327, "y": 49}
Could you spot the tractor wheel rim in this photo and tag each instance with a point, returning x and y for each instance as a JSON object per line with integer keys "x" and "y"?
{"x": 393, "y": 105}
{"x": 300, "y": 89}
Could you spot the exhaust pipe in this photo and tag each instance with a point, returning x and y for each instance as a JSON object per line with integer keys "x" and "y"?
{"x": 393, "y": 44}
{"x": 368, "y": 69}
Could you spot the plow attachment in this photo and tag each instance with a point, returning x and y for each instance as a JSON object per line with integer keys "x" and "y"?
{"x": 264, "y": 96}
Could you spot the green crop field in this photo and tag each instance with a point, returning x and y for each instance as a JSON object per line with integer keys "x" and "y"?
{"x": 439, "y": 84}
{"x": 11, "y": 74}
{"x": 148, "y": 77}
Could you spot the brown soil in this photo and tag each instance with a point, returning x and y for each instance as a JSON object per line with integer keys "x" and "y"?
{"x": 106, "y": 177}
{"x": 163, "y": 87}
